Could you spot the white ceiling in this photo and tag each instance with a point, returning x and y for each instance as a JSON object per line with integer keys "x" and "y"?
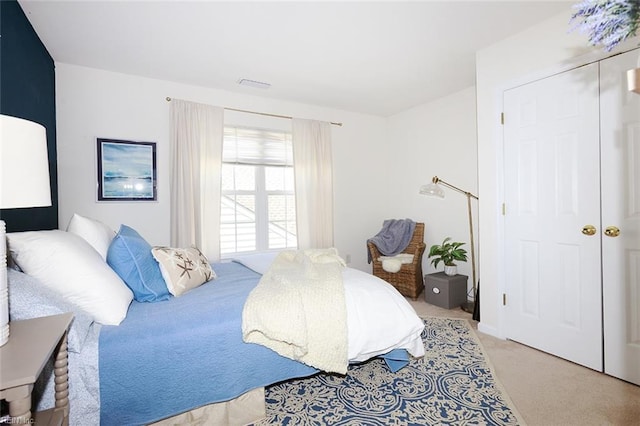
{"x": 370, "y": 57}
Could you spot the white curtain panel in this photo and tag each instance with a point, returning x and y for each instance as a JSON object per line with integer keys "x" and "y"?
{"x": 196, "y": 159}
{"x": 313, "y": 182}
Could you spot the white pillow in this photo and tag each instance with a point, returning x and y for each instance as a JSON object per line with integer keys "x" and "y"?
{"x": 92, "y": 231}
{"x": 257, "y": 262}
{"x": 183, "y": 268}
{"x": 68, "y": 265}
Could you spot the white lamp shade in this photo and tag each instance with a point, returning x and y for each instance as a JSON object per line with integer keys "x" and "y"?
{"x": 24, "y": 165}
{"x": 24, "y": 182}
{"x": 432, "y": 190}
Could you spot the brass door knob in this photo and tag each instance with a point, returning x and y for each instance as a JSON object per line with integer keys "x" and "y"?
{"x": 611, "y": 231}
{"x": 589, "y": 230}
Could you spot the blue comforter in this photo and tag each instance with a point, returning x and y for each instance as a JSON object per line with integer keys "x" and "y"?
{"x": 172, "y": 356}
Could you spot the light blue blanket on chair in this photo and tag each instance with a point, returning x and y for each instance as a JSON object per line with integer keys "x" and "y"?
{"x": 394, "y": 236}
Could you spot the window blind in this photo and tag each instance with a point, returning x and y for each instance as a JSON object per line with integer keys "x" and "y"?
{"x": 257, "y": 146}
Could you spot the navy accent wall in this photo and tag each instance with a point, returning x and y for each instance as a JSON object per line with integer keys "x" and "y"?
{"x": 27, "y": 90}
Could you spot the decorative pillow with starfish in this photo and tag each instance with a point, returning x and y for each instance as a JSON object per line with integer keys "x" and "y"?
{"x": 183, "y": 268}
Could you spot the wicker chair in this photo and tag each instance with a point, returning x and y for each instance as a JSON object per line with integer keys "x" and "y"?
{"x": 408, "y": 280}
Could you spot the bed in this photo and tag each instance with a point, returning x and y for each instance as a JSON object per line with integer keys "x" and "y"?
{"x": 186, "y": 353}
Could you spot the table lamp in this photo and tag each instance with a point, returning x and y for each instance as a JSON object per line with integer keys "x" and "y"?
{"x": 24, "y": 182}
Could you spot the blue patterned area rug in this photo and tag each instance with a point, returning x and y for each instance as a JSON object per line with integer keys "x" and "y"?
{"x": 452, "y": 385}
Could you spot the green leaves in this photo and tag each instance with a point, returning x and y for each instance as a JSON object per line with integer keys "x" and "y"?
{"x": 447, "y": 252}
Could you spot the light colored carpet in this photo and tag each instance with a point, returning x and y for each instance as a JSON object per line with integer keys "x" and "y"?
{"x": 549, "y": 391}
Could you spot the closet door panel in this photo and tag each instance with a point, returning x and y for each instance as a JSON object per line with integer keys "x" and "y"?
{"x": 620, "y": 141}
{"x": 552, "y": 184}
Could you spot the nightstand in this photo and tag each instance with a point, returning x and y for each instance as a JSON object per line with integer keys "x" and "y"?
{"x": 31, "y": 343}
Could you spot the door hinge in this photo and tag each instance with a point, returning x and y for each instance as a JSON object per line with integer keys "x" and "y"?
{"x": 504, "y": 299}
{"x": 504, "y": 209}
{"x": 502, "y": 118}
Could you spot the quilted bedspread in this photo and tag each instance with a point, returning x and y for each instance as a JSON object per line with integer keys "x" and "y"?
{"x": 171, "y": 356}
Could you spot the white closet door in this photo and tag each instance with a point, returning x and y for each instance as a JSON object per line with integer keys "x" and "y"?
{"x": 620, "y": 140}
{"x": 552, "y": 185}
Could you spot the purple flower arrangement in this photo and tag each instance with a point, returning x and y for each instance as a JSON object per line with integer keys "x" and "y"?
{"x": 607, "y": 22}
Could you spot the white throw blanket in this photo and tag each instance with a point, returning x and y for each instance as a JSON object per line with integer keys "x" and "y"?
{"x": 298, "y": 309}
{"x": 394, "y": 263}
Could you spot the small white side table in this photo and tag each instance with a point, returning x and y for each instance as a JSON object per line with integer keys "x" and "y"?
{"x": 31, "y": 343}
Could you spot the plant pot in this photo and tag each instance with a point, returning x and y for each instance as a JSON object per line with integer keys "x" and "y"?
{"x": 451, "y": 270}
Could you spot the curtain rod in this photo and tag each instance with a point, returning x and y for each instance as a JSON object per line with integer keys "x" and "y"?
{"x": 266, "y": 114}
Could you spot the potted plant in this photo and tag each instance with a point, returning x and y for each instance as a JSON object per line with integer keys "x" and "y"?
{"x": 448, "y": 252}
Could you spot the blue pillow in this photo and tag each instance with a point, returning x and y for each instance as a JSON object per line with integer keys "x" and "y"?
{"x": 129, "y": 255}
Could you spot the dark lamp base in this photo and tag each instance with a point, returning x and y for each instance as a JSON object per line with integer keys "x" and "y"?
{"x": 473, "y": 307}
{"x": 467, "y": 307}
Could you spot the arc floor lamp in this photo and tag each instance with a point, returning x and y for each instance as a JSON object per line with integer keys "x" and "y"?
{"x": 433, "y": 189}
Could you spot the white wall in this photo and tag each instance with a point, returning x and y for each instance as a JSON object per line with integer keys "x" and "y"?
{"x": 94, "y": 103}
{"x": 379, "y": 164}
{"x": 537, "y": 52}
{"x": 438, "y": 138}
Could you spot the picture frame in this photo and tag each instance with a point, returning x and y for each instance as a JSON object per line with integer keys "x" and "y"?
{"x": 126, "y": 170}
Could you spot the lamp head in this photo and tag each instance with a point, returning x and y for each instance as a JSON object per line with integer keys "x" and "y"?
{"x": 432, "y": 189}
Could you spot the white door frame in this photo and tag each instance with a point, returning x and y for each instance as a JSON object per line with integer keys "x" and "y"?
{"x": 497, "y": 131}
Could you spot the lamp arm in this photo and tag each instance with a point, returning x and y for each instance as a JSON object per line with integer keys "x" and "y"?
{"x": 469, "y": 195}
{"x": 436, "y": 179}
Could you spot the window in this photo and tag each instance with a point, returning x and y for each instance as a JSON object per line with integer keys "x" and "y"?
{"x": 258, "y": 200}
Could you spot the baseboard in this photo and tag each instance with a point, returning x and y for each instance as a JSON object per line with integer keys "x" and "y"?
{"x": 486, "y": 329}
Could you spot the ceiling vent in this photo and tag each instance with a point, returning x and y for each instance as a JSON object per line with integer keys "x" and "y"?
{"x": 253, "y": 83}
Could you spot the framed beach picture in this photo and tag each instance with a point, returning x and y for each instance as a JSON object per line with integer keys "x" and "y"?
{"x": 126, "y": 170}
